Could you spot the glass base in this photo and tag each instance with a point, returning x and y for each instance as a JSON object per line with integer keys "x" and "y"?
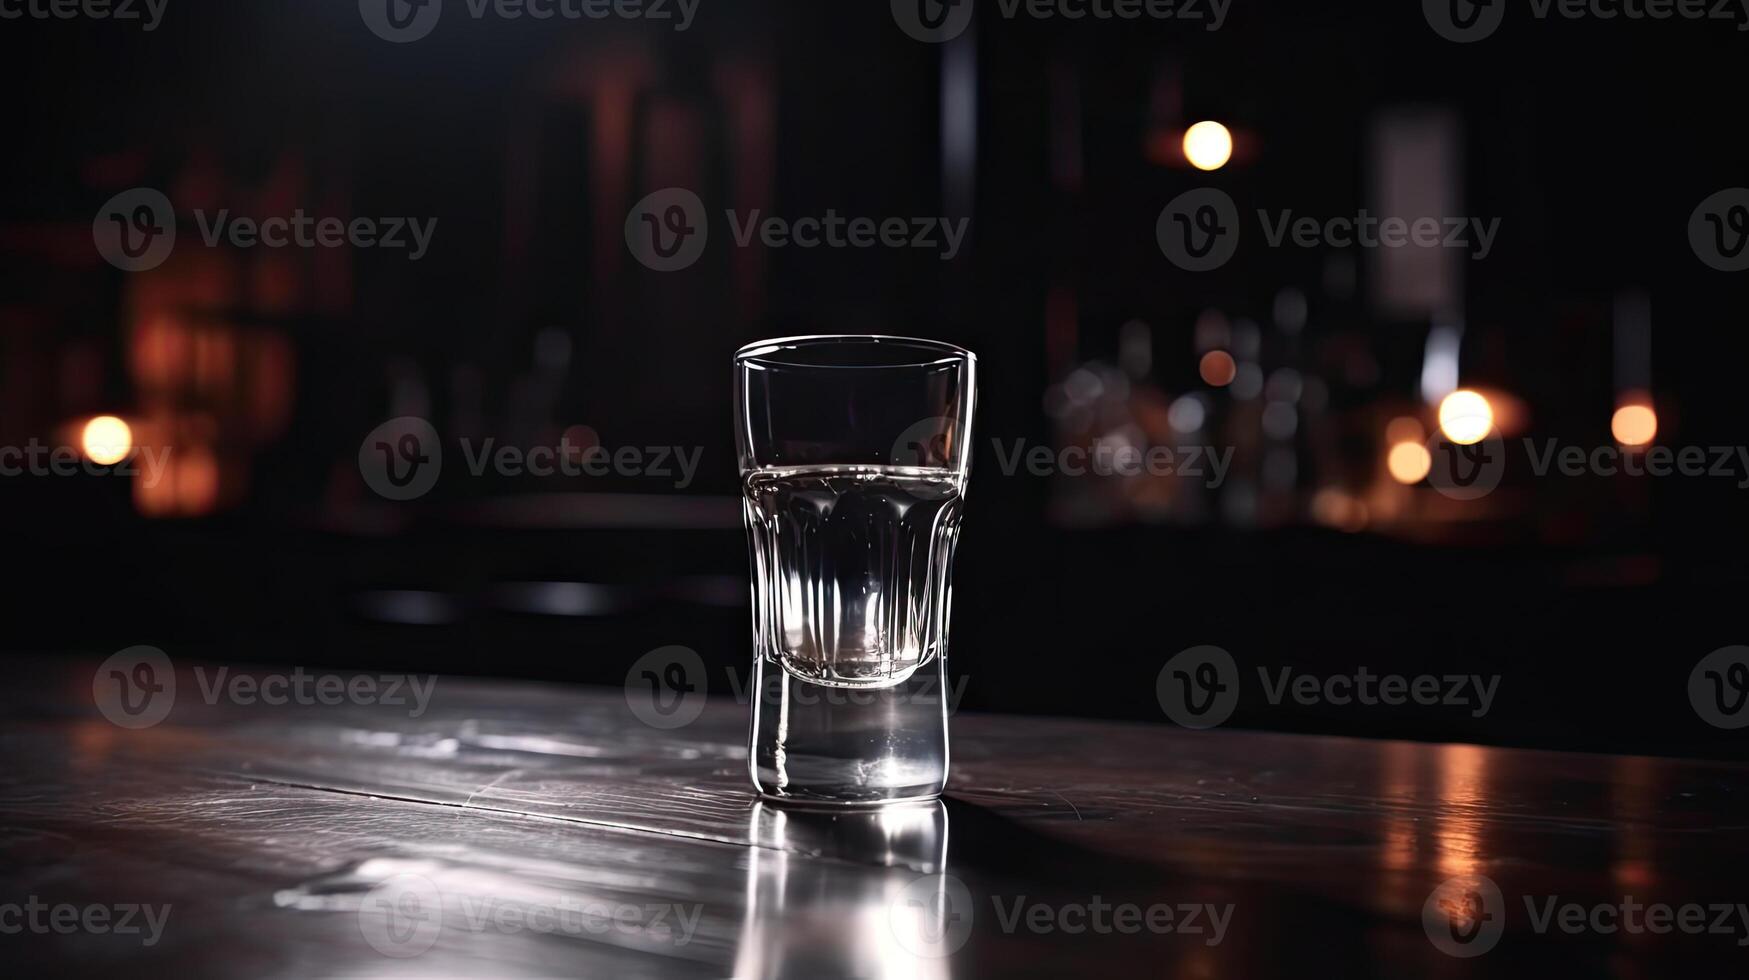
{"x": 835, "y": 746}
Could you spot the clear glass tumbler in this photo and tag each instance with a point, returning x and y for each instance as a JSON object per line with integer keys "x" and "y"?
{"x": 854, "y": 455}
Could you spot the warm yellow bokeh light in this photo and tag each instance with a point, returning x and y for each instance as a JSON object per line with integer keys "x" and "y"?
{"x": 107, "y": 440}
{"x": 1409, "y": 462}
{"x": 1208, "y": 145}
{"x": 1465, "y": 417}
{"x": 1634, "y": 425}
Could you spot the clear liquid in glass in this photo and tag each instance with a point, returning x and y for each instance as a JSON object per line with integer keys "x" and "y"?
{"x": 852, "y": 569}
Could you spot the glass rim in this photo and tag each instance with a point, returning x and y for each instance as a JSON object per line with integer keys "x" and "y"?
{"x": 925, "y": 352}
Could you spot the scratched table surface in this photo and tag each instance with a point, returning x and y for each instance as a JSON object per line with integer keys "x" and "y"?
{"x": 516, "y": 830}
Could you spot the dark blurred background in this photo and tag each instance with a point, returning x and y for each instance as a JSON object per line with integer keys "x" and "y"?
{"x": 529, "y": 320}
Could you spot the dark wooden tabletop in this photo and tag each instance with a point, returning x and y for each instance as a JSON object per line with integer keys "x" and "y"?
{"x": 525, "y": 830}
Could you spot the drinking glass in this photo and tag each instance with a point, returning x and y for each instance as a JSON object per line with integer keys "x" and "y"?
{"x": 854, "y": 454}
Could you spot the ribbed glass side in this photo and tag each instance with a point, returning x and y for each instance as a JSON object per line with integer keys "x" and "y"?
{"x": 852, "y": 569}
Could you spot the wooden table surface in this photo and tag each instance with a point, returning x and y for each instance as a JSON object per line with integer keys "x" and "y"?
{"x": 542, "y": 831}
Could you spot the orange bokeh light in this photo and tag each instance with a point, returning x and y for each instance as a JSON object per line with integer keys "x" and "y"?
{"x": 1217, "y": 368}
{"x": 1409, "y": 462}
{"x": 1634, "y": 425}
